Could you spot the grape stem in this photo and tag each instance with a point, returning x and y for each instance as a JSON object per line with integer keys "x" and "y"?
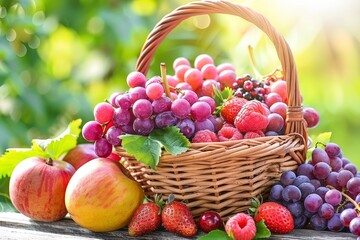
{"x": 348, "y": 198}
{"x": 164, "y": 79}
{"x": 252, "y": 61}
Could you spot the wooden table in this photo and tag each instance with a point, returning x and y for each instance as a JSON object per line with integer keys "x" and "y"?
{"x": 17, "y": 226}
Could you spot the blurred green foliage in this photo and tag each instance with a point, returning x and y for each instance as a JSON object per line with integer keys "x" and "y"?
{"x": 59, "y": 58}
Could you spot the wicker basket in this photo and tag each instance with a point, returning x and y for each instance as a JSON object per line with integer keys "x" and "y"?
{"x": 224, "y": 176}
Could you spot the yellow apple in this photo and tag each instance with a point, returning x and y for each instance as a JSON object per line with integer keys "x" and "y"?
{"x": 102, "y": 196}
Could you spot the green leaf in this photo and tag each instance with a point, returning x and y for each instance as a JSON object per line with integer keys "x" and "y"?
{"x": 172, "y": 139}
{"x": 5, "y": 202}
{"x": 215, "y": 234}
{"x": 324, "y": 138}
{"x": 13, "y": 156}
{"x": 318, "y": 141}
{"x": 221, "y": 96}
{"x": 261, "y": 230}
{"x": 144, "y": 149}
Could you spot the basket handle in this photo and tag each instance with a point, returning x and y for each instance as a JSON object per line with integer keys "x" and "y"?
{"x": 294, "y": 118}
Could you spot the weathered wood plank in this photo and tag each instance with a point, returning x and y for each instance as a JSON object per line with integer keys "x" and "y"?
{"x": 17, "y": 226}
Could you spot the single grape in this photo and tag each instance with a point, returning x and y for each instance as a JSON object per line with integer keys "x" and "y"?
{"x": 102, "y": 147}
{"x": 296, "y": 209}
{"x": 112, "y": 136}
{"x": 180, "y": 108}
{"x": 92, "y": 131}
{"x": 355, "y": 226}
{"x": 210, "y": 101}
{"x": 279, "y": 87}
{"x": 180, "y": 61}
{"x": 202, "y": 125}
{"x": 332, "y": 149}
{"x": 200, "y": 111}
{"x": 187, "y": 127}
{"x": 194, "y": 78}
{"x": 311, "y": 117}
{"x": 209, "y": 71}
{"x": 321, "y": 191}
{"x": 334, "y": 224}
{"x": 316, "y": 183}
{"x": 313, "y": 202}
{"x": 276, "y": 192}
{"x": 225, "y": 66}
{"x": 291, "y": 193}
{"x": 123, "y": 101}
{"x": 272, "y": 98}
{"x": 335, "y": 164}
{"x": 353, "y": 185}
{"x": 180, "y": 72}
{"x": 137, "y": 93}
{"x": 121, "y": 117}
{"x": 287, "y": 178}
{"x": 161, "y": 104}
{"x": 305, "y": 169}
{"x": 143, "y": 126}
{"x": 352, "y": 168}
{"x": 142, "y": 108}
{"x": 333, "y": 196}
{"x": 154, "y": 79}
{"x": 276, "y": 122}
{"x": 136, "y": 79}
{"x": 279, "y": 108}
{"x": 208, "y": 86}
{"x": 326, "y": 211}
{"x": 112, "y": 98}
{"x": 203, "y": 59}
{"x": 103, "y": 112}
{"x": 345, "y": 161}
{"x": 227, "y": 78}
{"x": 301, "y": 179}
{"x": 300, "y": 222}
{"x": 321, "y": 170}
{"x": 343, "y": 177}
{"x": 165, "y": 119}
{"x": 154, "y": 91}
{"x": 318, "y": 223}
{"x": 347, "y": 215}
{"x": 332, "y": 180}
{"x": 306, "y": 189}
{"x": 128, "y": 128}
{"x": 188, "y": 95}
{"x": 319, "y": 155}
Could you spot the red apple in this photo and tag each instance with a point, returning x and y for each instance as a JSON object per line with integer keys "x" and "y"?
{"x": 37, "y": 188}
{"x": 102, "y": 196}
{"x": 80, "y": 154}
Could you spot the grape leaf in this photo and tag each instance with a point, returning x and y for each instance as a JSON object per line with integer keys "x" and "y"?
{"x": 261, "y": 230}
{"x": 173, "y": 141}
{"x": 144, "y": 149}
{"x": 215, "y": 234}
{"x": 5, "y": 202}
{"x": 318, "y": 141}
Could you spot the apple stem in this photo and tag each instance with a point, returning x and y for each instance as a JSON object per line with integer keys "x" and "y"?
{"x": 49, "y": 161}
{"x": 164, "y": 79}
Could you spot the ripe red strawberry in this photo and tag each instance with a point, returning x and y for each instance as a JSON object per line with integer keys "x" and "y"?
{"x": 147, "y": 218}
{"x": 252, "y": 117}
{"x": 276, "y": 217}
{"x": 231, "y": 108}
{"x": 241, "y": 227}
{"x": 177, "y": 218}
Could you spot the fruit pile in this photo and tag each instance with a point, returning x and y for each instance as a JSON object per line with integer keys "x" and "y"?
{"x": 206, "y": 102}
{"x": 323, "y": 192}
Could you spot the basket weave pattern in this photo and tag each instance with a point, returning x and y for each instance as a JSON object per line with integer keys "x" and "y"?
{"x": 224, "y": 176}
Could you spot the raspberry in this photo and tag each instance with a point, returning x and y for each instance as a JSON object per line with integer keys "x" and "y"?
{"x": 241, "y": 226}
{"x": 204, "y": 136}
{"x": 231, "y": 108}
{"x": 256, "y": 134}
{"x": 229, "y": 134}
{"x": 252, "y": 117}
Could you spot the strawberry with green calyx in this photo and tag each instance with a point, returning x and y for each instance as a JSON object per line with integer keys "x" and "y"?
{"x": 276, "y": 217}
{"x": 147, "y": 218}
{"x": 176, "y": 218}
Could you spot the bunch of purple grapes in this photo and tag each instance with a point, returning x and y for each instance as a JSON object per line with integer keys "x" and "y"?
{"x": 323, "y": 193}
{"x": 250, "y": 88}
{"x": 144, "y": 107}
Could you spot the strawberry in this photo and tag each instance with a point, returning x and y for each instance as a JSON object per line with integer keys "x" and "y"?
{"x": 231, "y": 108}
{"x": 276, "y": 216}
{"x": 241, "y": 227}
{"x": 147, "y": 218}
{"x": 176, "y": 218}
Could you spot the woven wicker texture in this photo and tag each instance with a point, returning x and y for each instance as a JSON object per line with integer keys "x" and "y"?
{"x": 224, "y": 176}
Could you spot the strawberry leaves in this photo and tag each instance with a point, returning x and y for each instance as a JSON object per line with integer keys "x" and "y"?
{"x": 147, "y": 149}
